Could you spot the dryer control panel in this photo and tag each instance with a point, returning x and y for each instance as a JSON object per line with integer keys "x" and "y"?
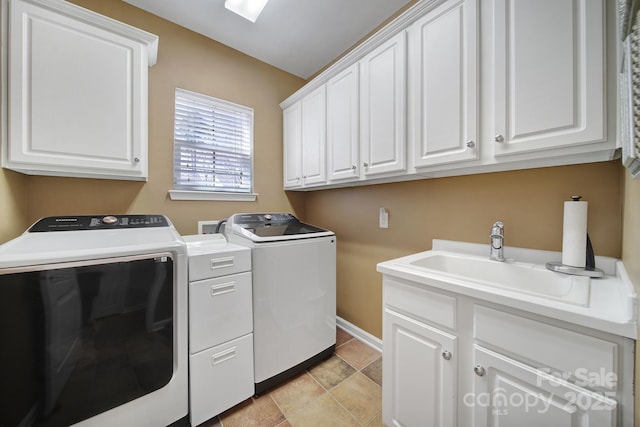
{"x": 98, "y": 222}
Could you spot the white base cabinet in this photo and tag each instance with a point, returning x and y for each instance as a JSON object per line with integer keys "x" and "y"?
{"x": 420, "y": 382}
{"x": 452, "y": 360}
{"x": 507, "y": 392}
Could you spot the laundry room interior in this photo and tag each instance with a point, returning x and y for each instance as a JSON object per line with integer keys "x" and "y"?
{"x": 461, "y": 207}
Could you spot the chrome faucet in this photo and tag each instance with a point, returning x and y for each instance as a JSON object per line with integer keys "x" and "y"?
{"x": 497, "y": 242}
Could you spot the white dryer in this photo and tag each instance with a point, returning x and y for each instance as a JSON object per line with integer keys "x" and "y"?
{"x": 98, "y": 323}
{"x": 294, "y": 293}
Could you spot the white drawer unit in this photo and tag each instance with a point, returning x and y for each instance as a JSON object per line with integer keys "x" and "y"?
{"x": 223, "y": 378}
{"x": 204, "y": 264}
{"x": 220, "y": 326}
{"x": 219, "y": 310}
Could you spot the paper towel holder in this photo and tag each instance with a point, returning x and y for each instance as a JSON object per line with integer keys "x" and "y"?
{"x": 576, "y": 271}
{"x": 589, "y": 270}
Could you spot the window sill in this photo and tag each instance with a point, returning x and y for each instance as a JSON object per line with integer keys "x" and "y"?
{"x": 211, "y": 195}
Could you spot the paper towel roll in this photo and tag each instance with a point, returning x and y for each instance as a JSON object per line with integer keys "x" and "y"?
{"x": 574, "y": 234}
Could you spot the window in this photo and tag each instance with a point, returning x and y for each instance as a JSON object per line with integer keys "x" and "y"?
{"x": 213, "y": 149}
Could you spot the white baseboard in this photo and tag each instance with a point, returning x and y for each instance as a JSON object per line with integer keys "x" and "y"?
{"x": 364, "y": 336}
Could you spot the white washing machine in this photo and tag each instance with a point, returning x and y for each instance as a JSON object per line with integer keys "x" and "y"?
{"x": 94, "y": 323}
{"x": 294, "y": 293}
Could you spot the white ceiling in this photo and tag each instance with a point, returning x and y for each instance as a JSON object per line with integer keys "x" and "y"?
{"x": 298, "y": 36}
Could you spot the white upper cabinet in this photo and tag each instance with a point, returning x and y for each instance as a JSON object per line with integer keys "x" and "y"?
{"x": 343, "y": 109}
{"x": 292, "y": 134}
{"x": 314, "y": 140}
{"x": 549, "y": 74}
{"x": 77, "y": 92}
{"x": 456, "y": 87}
{"x": 305, "y": 145}
{"x": 382, "y": 108}
{"x": 443, "y": 84}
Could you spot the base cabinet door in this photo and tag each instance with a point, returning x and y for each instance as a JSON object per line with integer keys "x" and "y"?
{"x": 510, "y": 393}
{"x": 419, "y": 373}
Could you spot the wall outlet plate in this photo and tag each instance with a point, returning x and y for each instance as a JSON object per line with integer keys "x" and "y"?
{"x": 383, "y": 219}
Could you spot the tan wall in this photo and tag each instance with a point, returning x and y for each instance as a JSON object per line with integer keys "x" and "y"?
{"x": 530, "y": 202}
{"x": 190, "y": 61}
{"x": 12, "y": 202}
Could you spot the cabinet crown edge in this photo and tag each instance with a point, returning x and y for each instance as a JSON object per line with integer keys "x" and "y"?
{"x": 95, "y": 19}
{"x": 400, "y": 23}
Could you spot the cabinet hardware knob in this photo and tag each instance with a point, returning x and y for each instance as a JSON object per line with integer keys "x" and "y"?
{"x": 136, "y": 159}
{"x": 446, "y": 355}
{"x": 479, "y": 370}
{"x": 365, "y": 164}
{"x": 470, "y": 144}
{"x": 499, "y": 139}
{"x": 353, "y": 167}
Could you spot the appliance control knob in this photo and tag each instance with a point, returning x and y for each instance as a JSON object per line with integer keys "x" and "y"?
{"x": 267, "y": 216}
{"x": 109, "y": 219}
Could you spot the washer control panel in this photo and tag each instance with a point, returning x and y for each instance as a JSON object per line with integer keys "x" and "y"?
{"x": 98, "y": 222}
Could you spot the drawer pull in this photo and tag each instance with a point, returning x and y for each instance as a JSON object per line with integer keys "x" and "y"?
{"x": 446, "y": 355}
{"x": 222, "y": 262}
{"x": 223, "y": 356}
{"x": 479, "y": 370}
{"x": 223, "y": 288}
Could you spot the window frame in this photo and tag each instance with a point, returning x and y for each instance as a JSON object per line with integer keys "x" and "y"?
{"x": 201, "y": 194}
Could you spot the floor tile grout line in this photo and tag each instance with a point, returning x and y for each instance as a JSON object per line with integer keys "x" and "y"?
{"x": 328, "y": 391}
{"x": 275, "y": 402}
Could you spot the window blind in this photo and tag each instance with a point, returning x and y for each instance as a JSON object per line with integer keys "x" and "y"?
{"x": 213, "y": 144}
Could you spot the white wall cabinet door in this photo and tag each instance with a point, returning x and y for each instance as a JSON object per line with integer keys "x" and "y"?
{"x": 77, "y": 92}
{"x": 382, "y": 108}
{"x": 550, "y": 60}
{"x": 343, "y": 144}
{"x": 510, "y": 393}
{"x": 314, "y": 140}
{"x": 292, "y": 138}
{"x": 443, "y": 84}
{"x": 419, "y": 373}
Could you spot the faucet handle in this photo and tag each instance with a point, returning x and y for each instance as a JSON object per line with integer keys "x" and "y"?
{"x": 497, "y": 229}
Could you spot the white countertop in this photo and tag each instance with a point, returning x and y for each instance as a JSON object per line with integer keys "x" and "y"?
{"x": 612, "y": 304}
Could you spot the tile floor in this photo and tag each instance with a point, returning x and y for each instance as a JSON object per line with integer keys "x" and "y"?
{"x": 344, "y": 390}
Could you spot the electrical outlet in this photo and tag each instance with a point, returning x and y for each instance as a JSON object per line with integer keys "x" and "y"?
{"x": 383, "y": 218}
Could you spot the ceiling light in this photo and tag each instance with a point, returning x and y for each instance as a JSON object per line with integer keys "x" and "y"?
{"x": 248, "y": 9}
